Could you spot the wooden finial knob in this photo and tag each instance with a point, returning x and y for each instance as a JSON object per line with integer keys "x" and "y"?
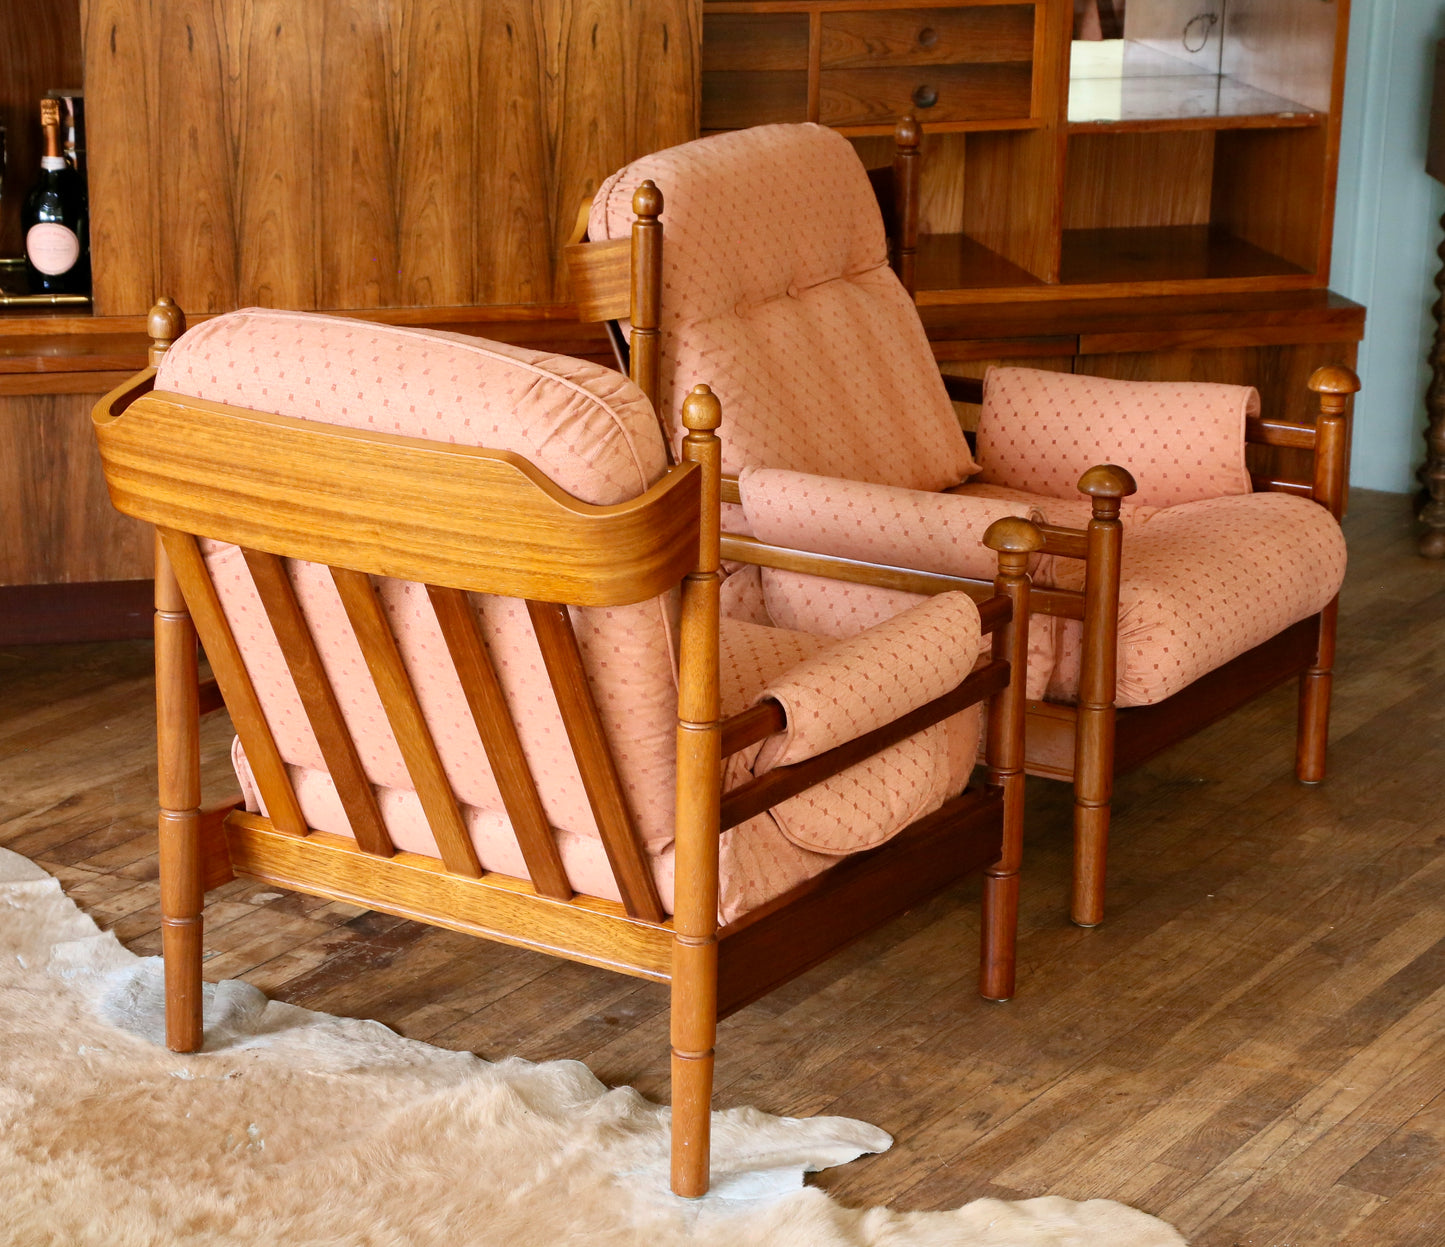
{"x": 165, "y": 324}
{"x": 1334, "y": 379}
{"x": 1107, "y": 480}
{"x": 1013, "y": 535}
{"x": 647, "y": 200}
{"x": 907, "y": 133}
{"x": 700, "y": 410}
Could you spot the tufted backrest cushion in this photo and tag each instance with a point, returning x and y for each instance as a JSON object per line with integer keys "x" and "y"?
{"x": 587, "y": 427}
{"x": 776, "y": 291}
{"x": 1040, "y": 431}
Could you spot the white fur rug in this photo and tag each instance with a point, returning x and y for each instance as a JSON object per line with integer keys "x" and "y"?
{"x": 299, "y": 1128}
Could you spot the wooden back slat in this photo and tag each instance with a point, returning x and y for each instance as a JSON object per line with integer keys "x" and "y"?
{"x": 486, "y": 521}
{"x": 247, "y": 717}
{"x": 483, "y": 691}
{"x": 413, "y": 737}
{"x": 625, "y": 854}
{"x": 318, "y": 699}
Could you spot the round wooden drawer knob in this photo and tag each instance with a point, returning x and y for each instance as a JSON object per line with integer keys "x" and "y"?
{"x": 925, "y": 97}
{"x": 927, "y": 37}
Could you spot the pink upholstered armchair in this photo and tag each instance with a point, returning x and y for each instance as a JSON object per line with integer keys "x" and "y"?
{"x": 465, "y": 618}
{"x": 1170, "y": 591}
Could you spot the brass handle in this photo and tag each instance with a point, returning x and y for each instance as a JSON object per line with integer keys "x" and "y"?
{"x": 925, "y": 97}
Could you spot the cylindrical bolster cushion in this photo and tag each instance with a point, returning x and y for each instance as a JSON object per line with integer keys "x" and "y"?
{"x": 875, "y": 523}
{"x": 868, "y": 680}
{"x": 1183, "y": 441}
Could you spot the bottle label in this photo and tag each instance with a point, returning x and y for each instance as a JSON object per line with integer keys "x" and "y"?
{"x": 52, "y": 248}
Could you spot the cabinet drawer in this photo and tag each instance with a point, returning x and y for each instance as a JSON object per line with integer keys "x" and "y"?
{"x": 996, "y": 33}
{"x": 933, "y": 93}
{"x": 738, "y": 42}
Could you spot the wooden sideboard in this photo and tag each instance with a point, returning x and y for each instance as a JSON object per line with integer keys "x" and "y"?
{"x": 422, "y": 162}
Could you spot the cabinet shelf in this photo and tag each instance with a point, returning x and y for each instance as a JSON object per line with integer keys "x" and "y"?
{"x": 1122, "y": 86}
{"x": 1165, "y": 253}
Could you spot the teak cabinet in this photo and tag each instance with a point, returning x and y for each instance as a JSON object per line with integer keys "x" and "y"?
{"x": 1197, "y": 154}
{"x": 1137, "y": 208}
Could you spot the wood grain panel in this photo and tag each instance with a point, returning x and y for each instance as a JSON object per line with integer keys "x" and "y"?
{"x": 194, "y": 158}
{"x": 1122, "y": 180}
{"x": 56, "y": 521}
{"x": 358, "y": 255}
{"x": 278, "y": 214}
{"x": 437, "y": 168}
{"x": 1012, "y": 206}
{"x": 754, "y": 41}
{"x": 39, "y": 50}
{"x": 519, "y": 214}
{"x": 367, "y": 153}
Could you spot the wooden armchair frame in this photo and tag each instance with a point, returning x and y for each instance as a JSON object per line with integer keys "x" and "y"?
{"x": 1091, "y": 741}
{"x": 285, "y": 488}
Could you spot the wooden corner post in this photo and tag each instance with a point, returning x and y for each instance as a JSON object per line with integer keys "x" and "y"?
{"x": 906, "y": 138}
{"x": 1108, "y": 486}
{"x": 1016, "y": 541}
{"x": 178, "y": 756}
{"x": 699, "y": 787}
{"x": 1334, "y": 385}
{"x": 646, "y": 303}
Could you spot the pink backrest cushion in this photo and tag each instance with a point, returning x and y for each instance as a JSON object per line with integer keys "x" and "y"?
{"x": 587, "y": 427}
{"x": 778, "y": 294}
{"x": 1183, "y": 441}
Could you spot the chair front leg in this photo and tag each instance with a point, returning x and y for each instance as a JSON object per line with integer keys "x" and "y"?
{"x": 1107, "y": 485}
{"x": 178, "y": 749}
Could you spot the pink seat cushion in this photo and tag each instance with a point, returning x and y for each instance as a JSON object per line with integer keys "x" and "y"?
{"x": 1039, "y": 431}
{"x": 778, "y": 294}
{"x": 1202, "y": 583}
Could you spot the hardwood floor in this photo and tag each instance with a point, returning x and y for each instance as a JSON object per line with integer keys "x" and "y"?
{"x": 1249, "y": 1047}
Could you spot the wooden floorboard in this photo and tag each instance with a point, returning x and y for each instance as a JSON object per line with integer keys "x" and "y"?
{"x": 1249, "y": 1046}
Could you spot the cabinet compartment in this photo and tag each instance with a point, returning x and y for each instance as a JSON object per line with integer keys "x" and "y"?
{"x": 936, "y": 94}
{"x": 1194, "y": 205}
{"x": 754, "y": 69}
{"x": 927, "y": 36}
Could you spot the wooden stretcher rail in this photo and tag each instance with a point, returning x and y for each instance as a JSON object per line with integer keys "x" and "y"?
{"x": 1064, "y": 603}
{"x": 1264, "y": 431}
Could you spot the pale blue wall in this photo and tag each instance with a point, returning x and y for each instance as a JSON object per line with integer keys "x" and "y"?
{"x": 1387, "y": 228}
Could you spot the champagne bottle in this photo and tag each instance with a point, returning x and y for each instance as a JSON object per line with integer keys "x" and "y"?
{"x": 54, "y": 218}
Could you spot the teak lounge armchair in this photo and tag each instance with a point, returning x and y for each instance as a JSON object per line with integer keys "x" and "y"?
{"x": 489, "y": 688}
{"x": 1176, "y": 586}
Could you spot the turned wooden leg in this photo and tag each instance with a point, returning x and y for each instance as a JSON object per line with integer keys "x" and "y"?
{"x": 1107, "y": 485}
{"x": 1432, "y": 474}
{"x": 1093, "y": 792}
{"x": 699, "y": 783}
{"x": 1015, "y": 540}
{"x": 179, "y": 756}
{"x": 1315, "y": 688}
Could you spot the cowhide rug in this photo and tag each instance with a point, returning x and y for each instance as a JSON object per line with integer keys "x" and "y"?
{"x": 295, "y": 1127}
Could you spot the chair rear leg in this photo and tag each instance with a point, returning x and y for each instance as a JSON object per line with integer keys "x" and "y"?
{"x": 179, "y": 757}
{"x": 1093, "y": 792}
{"x": 1315, "y": 689}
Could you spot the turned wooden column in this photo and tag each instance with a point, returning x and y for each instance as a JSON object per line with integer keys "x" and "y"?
{"x": 1432, "y": 474}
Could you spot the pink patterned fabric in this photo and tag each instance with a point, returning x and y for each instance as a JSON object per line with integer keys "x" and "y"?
{"x": 591, "y": 431}
{"x": 876, "y": 523}
{"x": 778, "y": 294}
{"x": 1202, "y": 583}
{"x": 866, "y": 681}
{"x": 1039, "y": 431}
